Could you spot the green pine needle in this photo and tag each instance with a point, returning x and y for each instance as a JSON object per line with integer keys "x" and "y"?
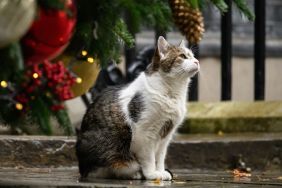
{"x": 41, "y": 114}
{"x": 202, "y": 4}
{"x": 243, "y": 7}
{"x": 220, "y": 5}
{"x": 120, "y": 30}
{"x": 64, "y": 121}
{"x": 102, "y": 34}
{"x": 193, "y": 3}
{"x": 12, "y": 63}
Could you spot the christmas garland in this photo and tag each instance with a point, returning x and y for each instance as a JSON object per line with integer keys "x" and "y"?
{"x": 32, "y": 88}
{"x": 35, "y": 82}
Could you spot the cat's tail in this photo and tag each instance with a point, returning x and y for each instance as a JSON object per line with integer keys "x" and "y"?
{"x": 84, "y": 164}
{"x": 84, "y": 167}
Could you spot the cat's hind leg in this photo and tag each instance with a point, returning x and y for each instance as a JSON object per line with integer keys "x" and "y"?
{"x": 127, "y": 170}
{"x": 100, "y": 173}
{"x": 118, "y": 170}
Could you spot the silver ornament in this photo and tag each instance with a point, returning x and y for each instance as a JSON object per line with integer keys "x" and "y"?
{"x": 16, "y": 17}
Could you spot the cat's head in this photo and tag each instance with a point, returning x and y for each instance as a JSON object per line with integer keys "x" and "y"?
{"x": 173, "y": 61}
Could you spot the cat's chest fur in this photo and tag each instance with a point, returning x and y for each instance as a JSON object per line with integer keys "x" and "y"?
{"x": 167, "y": 106}
{"x": 150, "y": 104}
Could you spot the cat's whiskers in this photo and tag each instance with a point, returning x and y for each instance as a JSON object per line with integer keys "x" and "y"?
{"x": 180, "y": 73}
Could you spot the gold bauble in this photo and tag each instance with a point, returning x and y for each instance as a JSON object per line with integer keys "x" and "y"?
{"x": 86, "y": 74}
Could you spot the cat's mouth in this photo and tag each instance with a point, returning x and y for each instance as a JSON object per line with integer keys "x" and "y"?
{"x": 191, "y": 67}
{"x": 192, "y": 70}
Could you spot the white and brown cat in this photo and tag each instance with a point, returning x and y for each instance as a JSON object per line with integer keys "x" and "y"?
{"x": 127, "y": 129}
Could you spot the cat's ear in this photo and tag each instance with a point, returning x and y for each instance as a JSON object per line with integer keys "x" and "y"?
{"x": 162, "y": 46}
{"x": 182, "y": 44}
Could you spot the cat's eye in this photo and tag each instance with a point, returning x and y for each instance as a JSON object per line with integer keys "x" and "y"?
{"x": 183, "y": 56}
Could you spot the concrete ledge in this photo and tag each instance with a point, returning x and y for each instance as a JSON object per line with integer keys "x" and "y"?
{"x": 260, "y": 151}
{"x": 232, "y": 117}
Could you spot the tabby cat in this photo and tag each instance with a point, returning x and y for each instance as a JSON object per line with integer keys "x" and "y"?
{"x": 127, "y": 129}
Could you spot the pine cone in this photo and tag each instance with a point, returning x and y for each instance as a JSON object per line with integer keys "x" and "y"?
{"x": 189, "y": 20}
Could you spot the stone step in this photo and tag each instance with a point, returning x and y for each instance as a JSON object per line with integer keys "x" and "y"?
{"x": 260, "y": 151}
{"x": 233, "y": 117}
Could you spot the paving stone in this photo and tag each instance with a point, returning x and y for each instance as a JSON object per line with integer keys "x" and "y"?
{"x": 68, "y": 177}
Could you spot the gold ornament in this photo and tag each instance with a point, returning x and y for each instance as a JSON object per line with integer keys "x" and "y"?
{"x": 189, "y": 20}
{"x": 86, "y": 73}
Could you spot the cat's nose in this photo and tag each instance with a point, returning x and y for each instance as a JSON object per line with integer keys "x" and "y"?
{"x": 196, "y": 61}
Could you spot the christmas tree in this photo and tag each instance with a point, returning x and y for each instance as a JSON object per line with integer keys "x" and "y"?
{"x": 51, "y": 50}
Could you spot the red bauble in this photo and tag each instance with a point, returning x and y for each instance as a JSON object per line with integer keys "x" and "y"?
{"x": 49, "y": 34}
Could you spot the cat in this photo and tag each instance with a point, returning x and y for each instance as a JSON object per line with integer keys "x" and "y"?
{"x": 127, "y": 129}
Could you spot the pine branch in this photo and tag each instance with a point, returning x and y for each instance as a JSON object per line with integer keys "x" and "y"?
{"x": 202, "y": 4}
{"x": 152, "y": 13}
{"x": 41, "y": 114}
{"x": 102, "y": 34}
{"x": 64, "y": 121}
{"x": 193, "y": 3}
{"x": 9, "y": 115}
{"x": 94, "y": 31}
{"x": 162, "y": 16}
{"x": 120, "y": 30}
{"x": 220, "y": 5}
{"x": 243, "y": 7}
{"x": 11, "y": 62}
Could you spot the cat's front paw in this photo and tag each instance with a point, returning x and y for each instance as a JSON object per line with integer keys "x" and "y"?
{"x": 153, "y": 175}
{"x": 164, "y": 175}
